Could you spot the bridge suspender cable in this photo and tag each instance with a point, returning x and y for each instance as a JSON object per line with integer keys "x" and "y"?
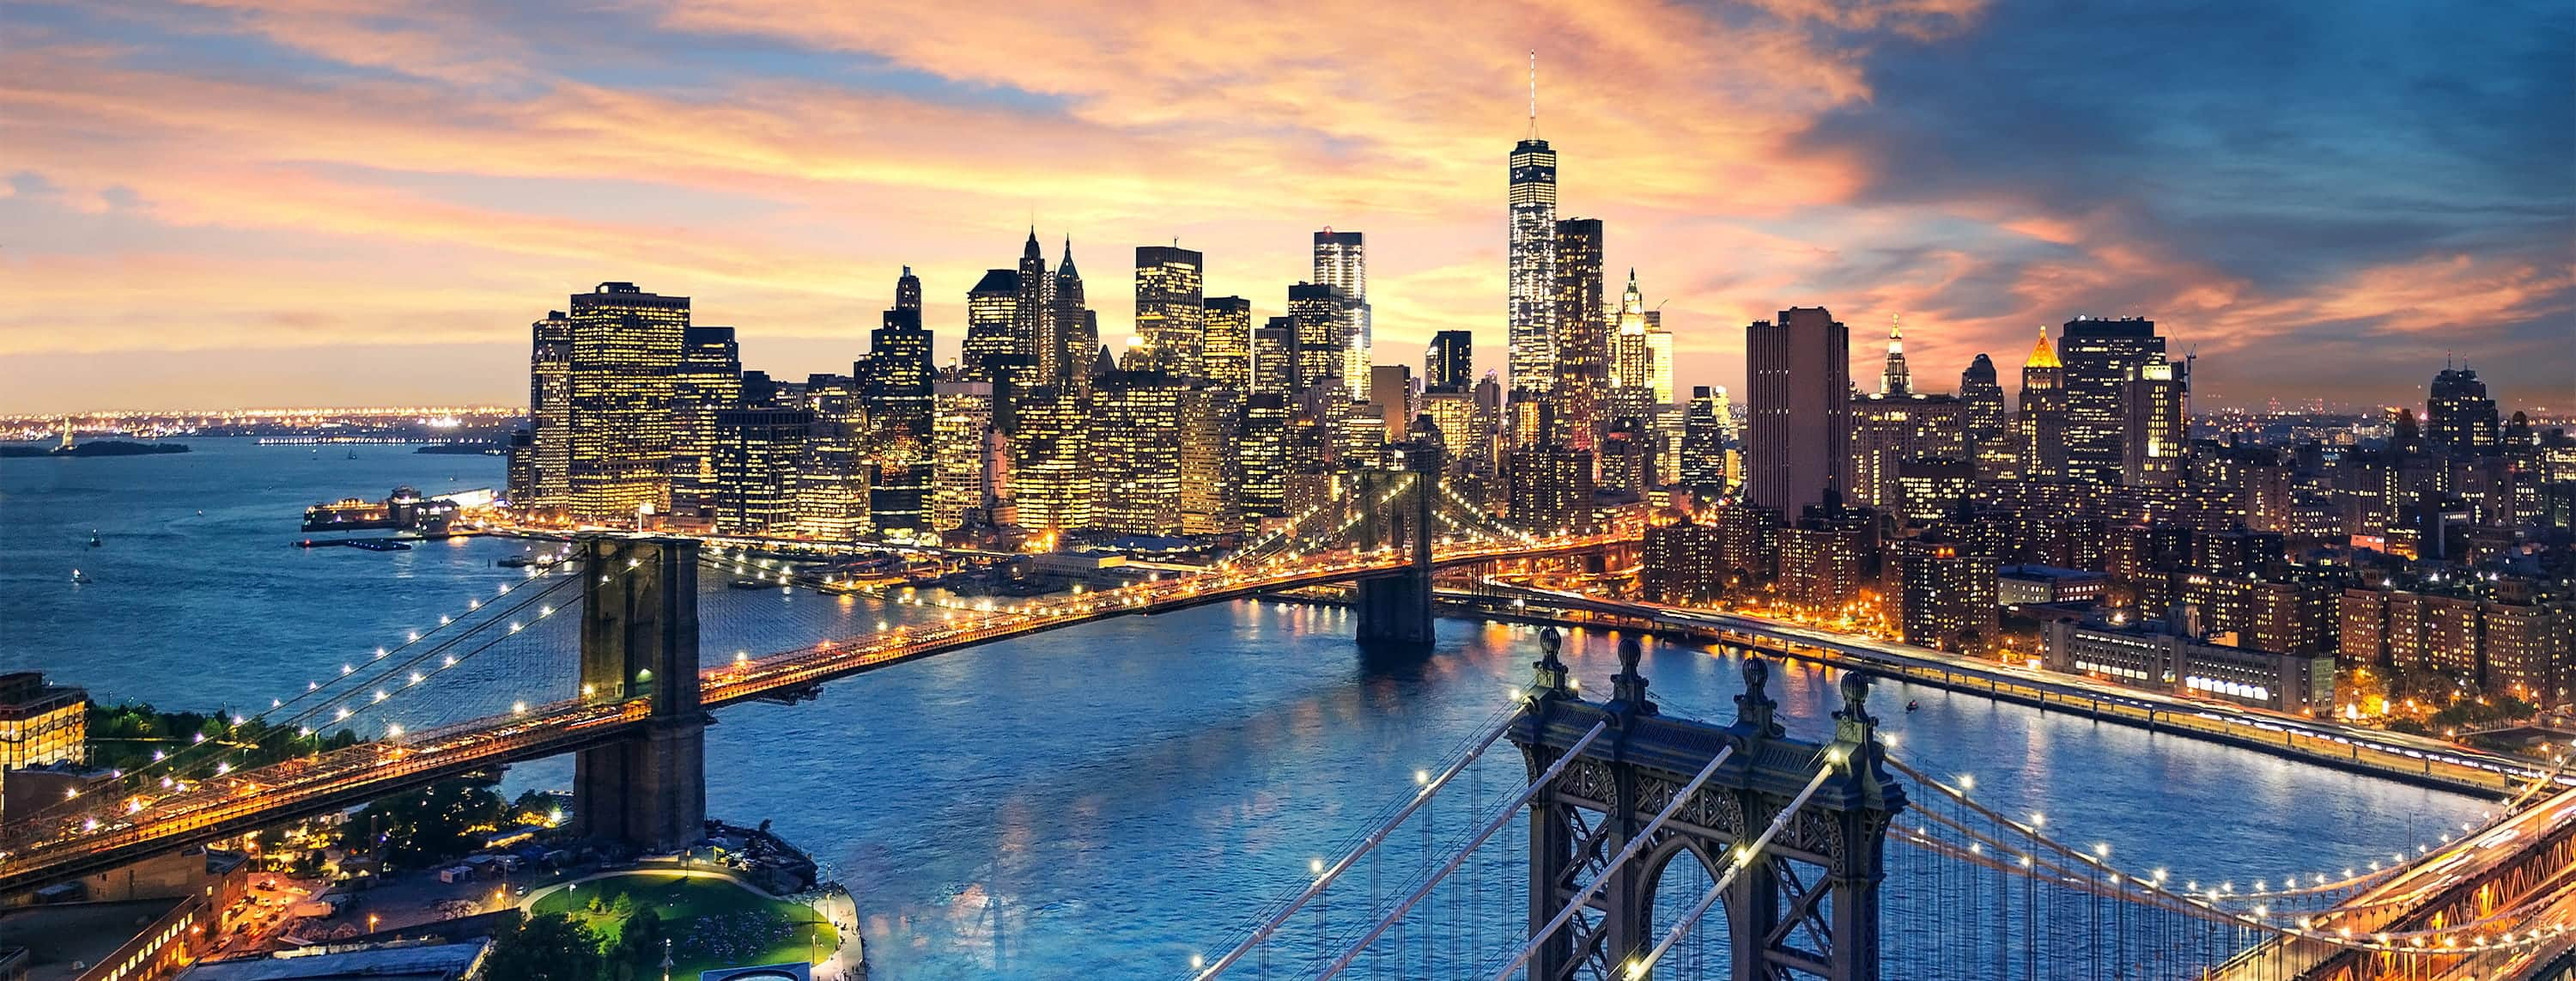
{"x": 1374, "y": 838}
{"x": 1742, "y": 855}
{"x": 1634, "y": 842}
{"x": 1501, "y": 816}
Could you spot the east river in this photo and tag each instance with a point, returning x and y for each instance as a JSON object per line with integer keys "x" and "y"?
{"x": 1105, "y": 800}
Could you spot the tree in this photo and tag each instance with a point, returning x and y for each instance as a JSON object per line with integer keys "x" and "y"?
{"x": 637, "y": 955}
{"x": 546, "y": 948}
{"x": 431, "y": 825}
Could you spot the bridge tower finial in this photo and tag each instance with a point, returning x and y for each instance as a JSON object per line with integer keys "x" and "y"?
{"x": 1549, "y": 677}
{"x": 1754, "y": 709}
{"x": 1628, "y": 690}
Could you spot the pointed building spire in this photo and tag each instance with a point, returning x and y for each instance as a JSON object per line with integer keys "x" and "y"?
{"x": 1533, "y": 86}
{"x": 1031, "y": 251}
{"x": 1064, "y": 269}
{"x": 2043, "y": 354}
{"x": 1896, "y": 380}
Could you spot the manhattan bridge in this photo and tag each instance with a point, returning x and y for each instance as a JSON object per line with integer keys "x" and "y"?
{"x": 1618, "y": 838}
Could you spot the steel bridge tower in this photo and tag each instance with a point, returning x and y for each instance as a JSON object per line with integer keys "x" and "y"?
{"x": 1395, "y": 609}
{"x": 639, "y": 644}
{"x": 1808, "y": 902}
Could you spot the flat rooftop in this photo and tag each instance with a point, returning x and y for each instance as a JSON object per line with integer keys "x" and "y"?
{"x": 57, "y": 937}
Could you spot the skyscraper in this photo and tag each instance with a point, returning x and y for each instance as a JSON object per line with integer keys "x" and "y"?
{"x": 1051, "y": 467}
{"x": 1211, "y": 468}
{"x": 1315, "y": 311}
{"x": 756, "y": 453}
{"x": 1169, "y": 305}
{"x": 1580, "y": 333}
{"x": 1703, "y": 455}
{"x": 1071, "y": 335}
{"x": 626, "y": 347}
{"x": 707, "y": 381}
{"x": 962, "y": 481}
{"x": 1449, "y": 365}
{"x": 1136, "y": 454}
{"x": 1800, "y": 384}
{"x": 2042, "y": 420}
{"x": 894, "y": 381}
{"x": 2458, "y": 414}
{"x": 1983, "y": 397}
{"x": 1342, "y": 261}
{"x": 1531, "y": 310}
{"x": 1033, "y": 332}
{"x": 2100, "y": 356}
{"x": 1226, "y": 332}
{"x": 1274, "y": 358}
{"x": 2155, "y": 425}
{"x": 549, "y": 414}
{"x": 1632, "y": 362}
{"x": 992, "y": 311}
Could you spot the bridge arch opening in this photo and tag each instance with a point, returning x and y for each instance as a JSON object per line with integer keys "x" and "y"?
{"x": 1677, "y": 872}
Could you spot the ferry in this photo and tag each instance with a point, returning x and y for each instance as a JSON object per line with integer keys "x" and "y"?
{"x": 78, "y": 579}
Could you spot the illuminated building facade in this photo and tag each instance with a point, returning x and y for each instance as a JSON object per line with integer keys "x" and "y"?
{"x": 2459, "y": 417}
{"x": 1889, "y": 431}
{"x": 1703, "y": 447}
{"x": 2041, "y": 424}
{"x": 1981, "y": 401}
{"x": 1211, "y": 470}
{"x": 1579, "y": 334}
{"x": 1033, "y": 331}
{"x": 757, "y": 454}
{"x": 2100, "y": 357}
{"x": 1685, "y": 562}
{"x": 1550, "y": 489}
{"x": 1169, "y": 308}
{"x": 992, "y": 313}
{"x": 2169, "y": 655}
{"x": 40, "y": 723}
{"x": 1051, "y": 465}
{"x": 1226, "y": 329}
{"x": 1449, "y": 364}
{"x": 1262, "y": 449}
{"x": 962, "y": 481}
{"x": 548, "y": 472}
{"x": 1136, "y": 454}
{"x": 1316, "y": 314}
{"x": 2155, "y": 425}
{"x": 1947, "y": 594}
{"x": 1531, "y": 308}
{"x": 1341, "y": 261}
{"x": 709, "y": 380}
{"x": 1800, "y": 443}
{"x": 626, "y": 346}
{"x": 1274, "y": 358}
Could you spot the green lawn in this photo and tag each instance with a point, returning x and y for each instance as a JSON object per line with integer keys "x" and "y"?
{"x": 713, "y": 923}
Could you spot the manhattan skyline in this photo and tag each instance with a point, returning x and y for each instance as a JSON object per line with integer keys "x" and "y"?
{"x": 228, "y": 207}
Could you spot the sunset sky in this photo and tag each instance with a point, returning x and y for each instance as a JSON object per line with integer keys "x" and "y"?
{"x": 329, "y": 202}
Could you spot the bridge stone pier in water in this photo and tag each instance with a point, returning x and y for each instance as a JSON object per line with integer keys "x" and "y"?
{"x": 639, "y": 641}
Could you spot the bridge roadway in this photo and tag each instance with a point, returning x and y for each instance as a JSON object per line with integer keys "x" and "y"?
{"x": 133, "y": 826}
{"x": 2378, "y": 752}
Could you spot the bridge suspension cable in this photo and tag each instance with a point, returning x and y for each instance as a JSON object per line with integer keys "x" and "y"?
{"x": 1602, "y": 881}
{"x": 1375, "y": 837}
{"x": 1501, "y": 816}
{"x": 1737, "y": 858}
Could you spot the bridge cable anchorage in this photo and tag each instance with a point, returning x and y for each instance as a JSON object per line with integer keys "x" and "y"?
{"x": 191, "y": 755}
{"x": 1502, "y": 816}
{"x": 1602, "y": 880}
{"x": 1367, "y": 845}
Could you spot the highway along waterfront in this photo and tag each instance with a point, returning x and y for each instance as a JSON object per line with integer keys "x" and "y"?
{"x": 1103, "y": 800}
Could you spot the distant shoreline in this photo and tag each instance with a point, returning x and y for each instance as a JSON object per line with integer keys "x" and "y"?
{"x": 105, "y": 447}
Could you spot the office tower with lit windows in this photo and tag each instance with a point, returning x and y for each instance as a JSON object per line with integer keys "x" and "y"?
{"x": 1071, "y": 331}
{"x": 1449, "y": 364}
{"x": 1136, "y": 454}
{"x": 1169, "y": 305}
{"x": 1898, "y": 426}
{"x": 894, "y": 380}
{"x": 1550, "y": 489}
{"x": 1466, "y": 437}
{"x": 1315, "y": 312}
{"x": 547, "y": 470}
{"x": 1033, "y": 334}
{"x": 1211, "y": 467}
{"x": 2041, "y": 422}
{"x": 1341, "y": 259}
{"x": 1626, "y": 457}
{"x": 1531, "y": 275}
{"x": 1632, "y": 360}
{"x": 2459, "y": 417}
{"x": 41, "y": 724}
{"x": 1703, "y": 440}
{"x": 1051, "y": 465}
{"x": 992, "y": 313}
{"x": 1274, "y": 358}
{"x": 1580, "y": 333}
{"x": 626, "y": 346}
{"x": 1981, "y": 401}
{"x": 1800, "y": 368}
{"x": 1226, "y": 331}
{"x": 1262, "y": 449}
{"x": 2100, "y": 357}
{"x": 832, "y": 480}
{"x": 709, "y": 380}
{"x": 962, "y": 482}
{"x": 757, "y": 452}
{"x": 1946, "y": 597}
{"x": 2155, "y": 425}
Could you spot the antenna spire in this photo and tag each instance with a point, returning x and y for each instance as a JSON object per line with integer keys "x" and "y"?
{"x": 1533, "y": 87}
